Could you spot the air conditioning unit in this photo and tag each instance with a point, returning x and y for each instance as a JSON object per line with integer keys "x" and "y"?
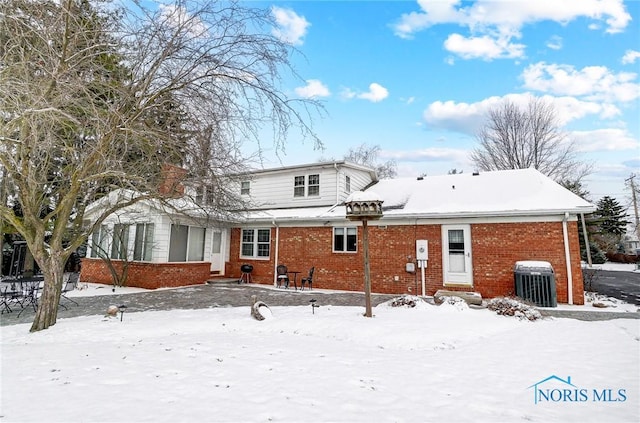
{"x": 536, "y": 282}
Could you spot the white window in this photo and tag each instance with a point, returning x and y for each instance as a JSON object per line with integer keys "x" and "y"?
{"x": 143, "y": 245}
{"x": 100, "y": 242}
{"x": 345, "y": 239}
{"x": 205, "y": 195}
{"x": 347, "y": 184}
{"x": 245, "y": 188}
{"x": 255, "y": 243}
{"x": 216, "y": 247}
{"x": 186, "y": 243}
{"x": 298, "y": 186}
{"x": 306, "y": 185}
{"x": 120, "y": 241}
{"x": 314, "y": 185}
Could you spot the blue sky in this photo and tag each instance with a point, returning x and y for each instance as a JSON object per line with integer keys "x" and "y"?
{"x": 416, "y": 78}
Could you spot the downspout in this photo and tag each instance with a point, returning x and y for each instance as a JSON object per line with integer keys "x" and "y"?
{"x": 335, "y": 166}
{"x": 275, "y": 264}
{"x": 567, "y": 257}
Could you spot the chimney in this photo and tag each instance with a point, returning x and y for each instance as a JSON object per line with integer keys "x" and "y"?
{"x": 171, "y": 180}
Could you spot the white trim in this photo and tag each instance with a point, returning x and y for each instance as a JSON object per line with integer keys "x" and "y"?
{"x": 457, "y": 278}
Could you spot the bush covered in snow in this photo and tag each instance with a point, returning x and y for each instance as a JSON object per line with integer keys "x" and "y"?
{"x": 506, "y": 306}
{"x": 408, "y": 301}
{"x": 454, "y": 302}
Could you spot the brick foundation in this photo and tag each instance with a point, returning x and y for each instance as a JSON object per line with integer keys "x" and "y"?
{"x": 148, "y": 275}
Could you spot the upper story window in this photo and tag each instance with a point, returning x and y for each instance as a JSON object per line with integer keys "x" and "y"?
{"x": 204, "y": 195}
{"x": 256, "y": 243}
{"x": 347, "y": 184}
{"x": 314, "y": 185}
{"x": 245, "y": 188}
{"x": 306, "y": 185}
{"x": 298, "y": 186}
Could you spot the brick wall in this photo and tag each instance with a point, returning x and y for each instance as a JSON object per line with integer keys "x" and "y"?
{"x": 495, "y": 249}
{"x": 148, "y": 275}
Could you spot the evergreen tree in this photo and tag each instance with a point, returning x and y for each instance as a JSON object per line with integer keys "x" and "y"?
{"x": 611, "y": 217}
{"x": 610, "y": 224}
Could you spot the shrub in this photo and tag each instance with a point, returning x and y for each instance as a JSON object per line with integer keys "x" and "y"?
{"x": 597, "y": 255}
{"x": 510, "y": 306}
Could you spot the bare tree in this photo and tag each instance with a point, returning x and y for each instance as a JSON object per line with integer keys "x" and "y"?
{"x": 519, "y": 138}
{"x": 368, "y": 156}
{"x": 95, "y": 99}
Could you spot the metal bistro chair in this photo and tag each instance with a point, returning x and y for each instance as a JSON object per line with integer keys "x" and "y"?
{"x": 7, "y": 295}
{"x": 31, "y": 293}
{"x": 70, "y": 283}
{"x": 282, "y": 276}
{"x": 308, "y": 280}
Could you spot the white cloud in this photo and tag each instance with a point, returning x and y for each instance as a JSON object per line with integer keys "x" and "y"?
{"x": 610, "y": 139}
{"x": 427, "y": 155}
{"x": 314, "y": 88}
{"x": 468, "y": 118}
{"x": 179, "y": 17}
{"x": 501, "y": 21}
{"x": 375, "y": 94}
{"x": 591, "y": 82}
{"x": 554, "y": 43}
{"x": 291, "y": 27}
{"x": 630, "y": 57}
{"x": 485, "y": 47}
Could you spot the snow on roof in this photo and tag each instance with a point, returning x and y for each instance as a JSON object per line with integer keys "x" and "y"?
{"x": 497, "y": 193}
{"x": 505, "y": 192}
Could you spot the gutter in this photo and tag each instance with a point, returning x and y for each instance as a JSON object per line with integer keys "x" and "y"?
{"x": 275, "y": 263}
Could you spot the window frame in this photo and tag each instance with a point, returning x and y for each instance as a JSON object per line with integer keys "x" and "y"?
{"x": 188, "y": 247}
{"x": 306, "y": 185}
{"x": 315, "y": 186}
{"x": 299, "y": 186}
{"x": 347, "y": 232}
{"x": 143, "y": 242}
{"x": 245, "y": 188}
{"x": 100, "y": 242}
{"x": 257, "y": 245}
{"x": 120, "y": 241}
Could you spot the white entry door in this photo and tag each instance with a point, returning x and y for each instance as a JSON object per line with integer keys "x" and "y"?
{"x": 456, "y": 255}
{"x": 217, "y": 262}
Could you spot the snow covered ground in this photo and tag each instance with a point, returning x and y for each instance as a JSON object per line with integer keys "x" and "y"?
{"x": 428, "y": 363}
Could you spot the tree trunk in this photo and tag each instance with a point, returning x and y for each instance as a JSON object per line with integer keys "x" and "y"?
{"x": 48, "y": 303}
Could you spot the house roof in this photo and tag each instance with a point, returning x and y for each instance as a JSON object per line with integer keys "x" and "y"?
{"x": 318, "y": 165}
{"x": 520, "y": 192}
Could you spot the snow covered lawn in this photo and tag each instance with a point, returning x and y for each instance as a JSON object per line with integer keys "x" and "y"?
{"x": 429, "y": 363}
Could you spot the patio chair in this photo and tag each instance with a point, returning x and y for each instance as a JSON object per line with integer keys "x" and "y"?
{"x": 6, "y": 297}
{"x": 282, "y": 276}
{"x": 70, "y": 283}
{"x": 30, "y": 288}
{"x": 308, "y": 280}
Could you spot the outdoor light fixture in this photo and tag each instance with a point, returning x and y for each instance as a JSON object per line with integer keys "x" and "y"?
{"x": 365, "y": 206}
{"x": 313, "y": 305}
{"x": 121, "y": 309}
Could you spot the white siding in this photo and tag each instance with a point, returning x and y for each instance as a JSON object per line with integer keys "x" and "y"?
{"x": 274, "y": 189}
